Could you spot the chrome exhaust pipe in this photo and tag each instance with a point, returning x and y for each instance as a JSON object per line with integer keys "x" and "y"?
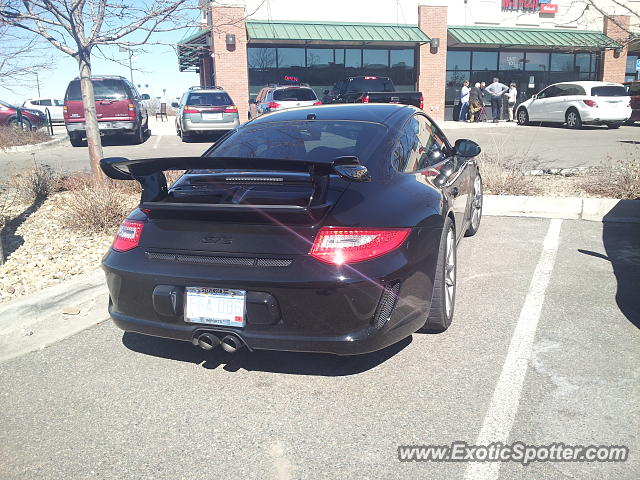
{"x": 231, "y": 344}
{"x": 208, "y": 341}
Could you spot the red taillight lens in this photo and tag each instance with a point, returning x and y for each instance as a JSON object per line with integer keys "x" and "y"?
{"x": 337, "y": 245}
{"x": 190, "y": 110}
{"x": 128, "y": 235}
{"x": 274, "y": 105}
{"x": 231, "y": 109}
{"x": 365, "y": 99}
{"x": 65, "y": 111}
{"x": 317, "y": 103}
{"x": 590, "y": 103}
{"x": 421, "y": 103}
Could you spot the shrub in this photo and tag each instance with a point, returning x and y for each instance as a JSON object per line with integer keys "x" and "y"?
{"x": 500, "y": 178}
{"x": 621, "y": 179}
{"x": 13, "y": 137}
{"x": 36, "y": 183}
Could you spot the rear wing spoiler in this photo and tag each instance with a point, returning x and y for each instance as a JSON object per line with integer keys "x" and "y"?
{"x": 149, "y": 173}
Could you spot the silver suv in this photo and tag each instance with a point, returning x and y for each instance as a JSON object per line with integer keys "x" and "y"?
{"x": 279, "y": 97}
{"x": 203, "y": 110}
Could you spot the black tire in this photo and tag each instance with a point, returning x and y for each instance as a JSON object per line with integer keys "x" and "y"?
{"x": 26, "y": 123}
{"x": 440, "y": 317}
{"x": 522, "y": 116}
{"x": 186, "y": 138}
{"x": 476, "y": 208}
{"x": 76, "y": 141}
{"x": 614, "y": 125}
{"x": 572, "y": 117}
{"x": 138, "y": 135}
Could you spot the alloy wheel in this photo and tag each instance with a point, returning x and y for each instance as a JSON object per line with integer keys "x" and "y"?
{"x": 572, "y": 119}
{"x": 450, "y": 273}
{"x": 477, "y": 203}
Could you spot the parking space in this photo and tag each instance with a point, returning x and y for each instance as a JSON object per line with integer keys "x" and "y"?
{"x": 104, "y": 404}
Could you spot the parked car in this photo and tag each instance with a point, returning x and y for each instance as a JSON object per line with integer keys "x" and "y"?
{"x": 119, "y": 107}
{"x": 370, "y": 89}
{"x": 577, "y": 104}
{"x": 12, "y": 116}
{"x": 633, "y": 90}
{"x": 280, "y": 97}
{"x": 54, "y": 106}
{"x": 321, "y": 229}
{"x": 205, "y": 110}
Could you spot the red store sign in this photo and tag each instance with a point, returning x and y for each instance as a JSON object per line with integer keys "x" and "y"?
{"x": 548, "y": 8}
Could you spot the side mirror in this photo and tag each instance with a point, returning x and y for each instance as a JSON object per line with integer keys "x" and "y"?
{"x": 174, "y": 104}
{"x": 145, "y": 96}
{"x": 466, "y": 148}
{"x": 326, "y": 92}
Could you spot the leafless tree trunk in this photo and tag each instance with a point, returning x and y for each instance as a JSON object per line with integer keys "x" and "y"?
{"x": 90, "y": 116}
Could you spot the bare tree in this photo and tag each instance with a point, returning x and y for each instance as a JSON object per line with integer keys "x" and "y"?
{"x": 75, "y": 27}
{"x": 20, "y": 57}
{"x": 611, "y": 9}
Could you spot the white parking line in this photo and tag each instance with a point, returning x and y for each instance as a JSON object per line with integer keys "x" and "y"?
{"x": 157, "y": 142}
{"x": 500, "y": 416}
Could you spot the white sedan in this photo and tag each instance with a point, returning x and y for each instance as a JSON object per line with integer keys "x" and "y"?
{"x": 577, "y": 104}
{"x": 54, "y": 105}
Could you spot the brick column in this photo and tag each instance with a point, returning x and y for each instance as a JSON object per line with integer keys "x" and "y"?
{"x": 614, "y": 66}
{"x": 230, "y": 63}
{"x": 432, "y": 20}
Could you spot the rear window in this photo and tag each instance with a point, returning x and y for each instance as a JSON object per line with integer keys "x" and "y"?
{"x": 104, "y": 89}
{"x": 609, "y": 91}
{"x": 634, "y": 89}
{"x": 209, "y": 99}
{"x": 313, "y": 140}
{"x": 370, "y": 85}
{"x": 294, "y": 94}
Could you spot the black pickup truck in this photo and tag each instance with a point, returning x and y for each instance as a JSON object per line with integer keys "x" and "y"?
{"x": 370, "y": 90}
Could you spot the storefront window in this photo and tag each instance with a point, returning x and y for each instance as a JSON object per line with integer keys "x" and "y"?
{"x": 511, "y": 60}
{"x": 583, "y": 62}
{"x": 562, "y": 62}
{"x": 458, "y": 60}
{"x": 375, "y": 58}
{"x": 631, "y": 68}
{"x": 402, "y": 70}
{"x": 319, "y": 57}
{"x": 485, "y": 60}
{"x": 290, "y": 57}
{"x": 353, "y": 58}
{"x": 536, "y": 62}
{"x": 262, "y": 68}
{"x": 453, "y": 86}
{"x": 261, "y": 57}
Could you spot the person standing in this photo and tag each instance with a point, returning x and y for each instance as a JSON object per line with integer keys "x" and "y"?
{"x": 464, "y": 101}
{"x": 512, "y": 96}
{"x": 475, "y": 97}
{"x": 496, "y": 90}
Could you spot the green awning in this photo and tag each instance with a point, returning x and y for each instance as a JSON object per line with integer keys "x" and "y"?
{"x": 334, "y": 32}
{"x": 529, "y": 37}
{"x": 190, "y": 48}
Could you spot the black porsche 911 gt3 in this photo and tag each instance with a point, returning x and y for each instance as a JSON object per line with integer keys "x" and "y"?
{"x": 318, "y": 229}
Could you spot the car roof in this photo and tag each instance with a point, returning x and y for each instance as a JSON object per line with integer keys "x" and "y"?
{"x": 392, "y": 115}
{"x": 588, "y": 83}
{"x": 281, "y": 87}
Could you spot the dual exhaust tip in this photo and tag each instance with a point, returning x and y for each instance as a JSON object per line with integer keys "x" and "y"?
{"x": 209, "y": 341}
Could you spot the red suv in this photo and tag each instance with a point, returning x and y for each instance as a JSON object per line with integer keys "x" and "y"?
{"x": 633, "y": 90}
{"x": 119, "y": 109}
{"x": 30, "y": 118}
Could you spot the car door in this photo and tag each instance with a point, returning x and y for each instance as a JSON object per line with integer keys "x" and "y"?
{"x": 539, "y": 107}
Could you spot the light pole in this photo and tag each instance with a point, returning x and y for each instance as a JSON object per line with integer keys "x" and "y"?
{"x": 38, "y": 84}
{"x": 125, "y": 49}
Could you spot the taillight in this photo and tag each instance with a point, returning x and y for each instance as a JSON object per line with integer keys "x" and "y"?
{"x": 365, "y": 99}
{"x": 190, "y": 110}
{"x": 274, "y": 105}
{"x": 231, "y": 109}
{"x": 421, "y": 103}
{"x": 132, "y": 110}
{"x": 128, "y": 235}
{"x": 65, "y": 111}
{"x": 590, "y": 103}
{"x": 318, "y": 103}
{"x": 370, "y": 78}
{"x": 338, "y": 246}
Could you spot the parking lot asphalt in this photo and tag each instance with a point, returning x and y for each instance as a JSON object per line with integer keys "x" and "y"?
{"x": 532, "y": 147}
{"x": 543, "y": 348}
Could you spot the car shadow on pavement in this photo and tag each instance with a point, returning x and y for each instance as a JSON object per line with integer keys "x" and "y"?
{"x": 10, "y": 241}
{"x": 622, "y": 246}
{"x": 292, "y": 363}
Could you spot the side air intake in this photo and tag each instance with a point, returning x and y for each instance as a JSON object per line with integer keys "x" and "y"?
{"x": 386, "y": 305}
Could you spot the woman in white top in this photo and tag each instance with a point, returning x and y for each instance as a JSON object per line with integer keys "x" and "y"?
{"x": 512, "y": 96}
{"x": 464, "y": 102}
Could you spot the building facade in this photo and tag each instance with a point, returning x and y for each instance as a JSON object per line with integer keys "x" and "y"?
{"x": 422, "y": 45}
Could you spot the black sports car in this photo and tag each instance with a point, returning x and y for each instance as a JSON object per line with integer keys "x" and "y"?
{"x": 319, "y": 229}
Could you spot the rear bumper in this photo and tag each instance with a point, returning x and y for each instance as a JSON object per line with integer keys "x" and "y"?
{"x": 196, "y": 127}
{"x": 319, "y": 308}
{"x": 594, "y": 117}
{"x": 106, "y": 128}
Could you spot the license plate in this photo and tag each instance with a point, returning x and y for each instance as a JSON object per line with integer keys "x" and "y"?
{"x": 215, "y": 306}
{"x": 212, "y": 116}
{"x": 104, "y": 125}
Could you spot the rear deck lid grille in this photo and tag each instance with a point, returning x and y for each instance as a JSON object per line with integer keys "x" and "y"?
{"x": 219, "y": 260}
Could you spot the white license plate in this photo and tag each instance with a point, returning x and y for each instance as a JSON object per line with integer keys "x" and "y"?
{"x": 212, "y": 116}
{"x": 104, "y": 125}
{"x": 215, "y": 306}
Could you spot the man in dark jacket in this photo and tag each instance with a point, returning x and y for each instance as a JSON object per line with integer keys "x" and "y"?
{"x": 475, "y": 102}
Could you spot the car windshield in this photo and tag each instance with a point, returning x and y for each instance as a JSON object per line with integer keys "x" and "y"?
{"x": 371, "y": 85}
{"x": 313, "y": 140}
{"x": 295, "y": 94}
{"x": 103, "y": 89}
{"x": 209, "y": 99}
{"x": 609, "y": 91}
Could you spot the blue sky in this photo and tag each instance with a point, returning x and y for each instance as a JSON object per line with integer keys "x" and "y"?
{"x": 158, "y": 65}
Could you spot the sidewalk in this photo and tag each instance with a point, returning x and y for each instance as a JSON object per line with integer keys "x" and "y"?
{"x": 451, "y": 125}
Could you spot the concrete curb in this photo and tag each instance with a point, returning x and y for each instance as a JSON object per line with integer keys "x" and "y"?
{"x": 571, "y": 208}
{"x": 37, "y": 147}
{"x": 36, "y": 321}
